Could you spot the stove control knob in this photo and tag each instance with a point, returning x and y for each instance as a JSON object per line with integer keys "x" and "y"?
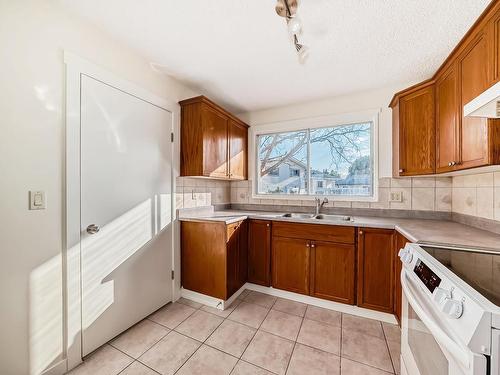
{"x": 453, "y": 308}
{"x": 440, "y": 295}
{"x": 405, "y": 255}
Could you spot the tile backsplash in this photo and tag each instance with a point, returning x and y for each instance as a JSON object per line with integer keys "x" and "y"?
{"x": 199, "y": 192}
{"x": 421, "y": 194}
{"x": 477, "y": 195}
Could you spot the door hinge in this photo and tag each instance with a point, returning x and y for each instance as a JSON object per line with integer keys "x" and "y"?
{"x": 173, "y": 273}
{"x": 171, "y": 137}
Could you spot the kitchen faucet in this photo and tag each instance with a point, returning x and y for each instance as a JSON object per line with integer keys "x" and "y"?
{"x": 319, "y": 205}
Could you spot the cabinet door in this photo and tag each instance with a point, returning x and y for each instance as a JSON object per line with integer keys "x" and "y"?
{"x": 417, "y": 133}
{"x": 290, "y": 264}
{"x": 259, "y": 252}
{"x": 375, "y": 269}
{"x": 232, "y": 259}
{"x": 243, "y": 254}
{"x": 333, "y": 271}
{"x": 215, "y": 144}
{"x": 473, "y": 68}
{"x": 447, "y": 123}
{"x": 238, "y": 134}
{"x": 495, "y": 45}
{"x": 400, "y": 242}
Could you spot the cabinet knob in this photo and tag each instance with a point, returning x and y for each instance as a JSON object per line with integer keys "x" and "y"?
{"x": 401, "y": 170}
{"x": 307, "y": 244}
{"x": 313, "y": 245}
{"x": 449, "y": 164}
{"x": 267, "y": 225}
{"x": 361, "y": 232}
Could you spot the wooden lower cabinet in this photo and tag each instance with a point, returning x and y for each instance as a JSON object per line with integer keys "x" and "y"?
{"x": 376, "y": 269}
{"x": 399, "y": 243}
{"x": 333, "y": 271}
{"x": 259, "y": 252}
{"x": 214, "y": 257}
{"x": 291, "y": 264}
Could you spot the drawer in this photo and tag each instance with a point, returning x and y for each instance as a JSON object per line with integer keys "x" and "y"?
{"x": 319, "y": 232}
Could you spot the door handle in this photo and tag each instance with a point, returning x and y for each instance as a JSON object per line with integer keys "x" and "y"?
{"x": 93, "y": 229}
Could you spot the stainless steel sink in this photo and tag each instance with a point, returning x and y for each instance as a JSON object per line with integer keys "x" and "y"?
{"x": 333, "y": 217}
{"x": 298, "y": 216}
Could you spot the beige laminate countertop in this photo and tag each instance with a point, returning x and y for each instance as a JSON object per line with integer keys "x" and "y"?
{"x": 433, "y": 232}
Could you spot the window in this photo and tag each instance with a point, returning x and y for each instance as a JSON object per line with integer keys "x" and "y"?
{"x": 334, "y": 160}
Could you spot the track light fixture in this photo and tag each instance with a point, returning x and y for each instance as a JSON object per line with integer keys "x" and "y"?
{"x": 288, "y": 10}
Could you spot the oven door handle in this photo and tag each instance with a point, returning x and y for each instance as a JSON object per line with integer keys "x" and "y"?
{"x": 442, "y": 337}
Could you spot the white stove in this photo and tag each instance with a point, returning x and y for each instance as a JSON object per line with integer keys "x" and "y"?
{"x": 451, "y": 313}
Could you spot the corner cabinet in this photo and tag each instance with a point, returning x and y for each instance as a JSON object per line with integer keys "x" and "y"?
{"x": 376, "y": 269}
{"x": 213, "y": 141}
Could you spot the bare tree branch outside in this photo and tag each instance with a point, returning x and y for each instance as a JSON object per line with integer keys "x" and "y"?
{"x": 325, "y": 161}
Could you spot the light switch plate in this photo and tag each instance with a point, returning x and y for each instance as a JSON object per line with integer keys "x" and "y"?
{"x": 37, "y": 200}
{"x": 396, "y": 196}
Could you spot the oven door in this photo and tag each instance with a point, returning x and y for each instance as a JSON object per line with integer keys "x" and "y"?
{"x": 427, "y": 347}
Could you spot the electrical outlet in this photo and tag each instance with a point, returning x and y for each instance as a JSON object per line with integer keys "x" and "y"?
{"x": 396, "y": 196}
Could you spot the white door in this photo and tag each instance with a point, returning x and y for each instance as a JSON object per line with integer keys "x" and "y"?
{"x": 126, "y": 186}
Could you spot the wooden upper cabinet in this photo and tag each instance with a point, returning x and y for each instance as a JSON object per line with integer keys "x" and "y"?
{"x": 213, "y": 141}
{"x": 259, "y": 252}
{"x": 494, "y": 30}
{"x": 376, "y": 269}
{"x": 415, "y": 138}
{"x": 238, "y": 144}
{"x": 333, "y": 271}
{"x": 290, "y": 264}
{"x": 447, "y": 121}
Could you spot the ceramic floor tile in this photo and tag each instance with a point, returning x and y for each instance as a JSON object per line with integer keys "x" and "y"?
{"x": 200, "y": 325}
{"x": 172, "y": 315}
{"x": 269, "y": 352}
{"x": 222, "y": 313}
{"x": 324, "y": 315}
{"x": 392, "y": 332}
{"x": 188, "y": 302}
{"x": 320, "y": 336}
{"x": 366, "y": 349}
{"x": 231, "y": 337}
{"x": 282, "y": 324}
{"x": 170, "y": 353}
{"x": 249, "y": 314}
{"x": 349, "y": 367}
{"x": 310, "y": 361}
{"x": 245, "y": 368}
{"x": 260, "y": 299}
{"x": 290, "y": 307}
{"x": 363, "y": 325}
{"x": 136, "y": 340}
{"x": 138, "y": 368}
{"x": 208, "y": 361}
{"x": 104, "y": 361}
{"x": 395, "y": 352}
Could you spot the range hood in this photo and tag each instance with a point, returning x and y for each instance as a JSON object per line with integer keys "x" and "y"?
{"x": 485, "y": 105}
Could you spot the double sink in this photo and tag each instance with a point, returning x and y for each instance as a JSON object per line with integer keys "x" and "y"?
{"x": 318, "y": 217}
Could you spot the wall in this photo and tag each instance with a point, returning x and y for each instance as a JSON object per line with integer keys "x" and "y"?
{"x": 477, "y": 195}
{"x": 33, "y": 35}
{"x": 199, "y": 192}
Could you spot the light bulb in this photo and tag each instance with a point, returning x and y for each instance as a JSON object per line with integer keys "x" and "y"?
{"x": 294, "y": 26}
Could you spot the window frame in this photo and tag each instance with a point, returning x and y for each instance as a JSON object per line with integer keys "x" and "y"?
{"x": 314, "y": 123}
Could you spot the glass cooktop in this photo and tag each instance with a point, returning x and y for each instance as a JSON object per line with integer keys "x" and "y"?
{"x": 480, "y": 270}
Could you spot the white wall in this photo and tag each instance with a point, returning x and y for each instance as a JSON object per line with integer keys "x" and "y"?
{"x": 359, "y": 102}
{"x": 33, "y": 35}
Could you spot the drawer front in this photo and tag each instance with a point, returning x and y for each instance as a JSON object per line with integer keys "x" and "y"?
{"x": 319, "y": 232}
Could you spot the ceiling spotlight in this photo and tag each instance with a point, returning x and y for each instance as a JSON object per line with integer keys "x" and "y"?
{"x": 288, "y": 9}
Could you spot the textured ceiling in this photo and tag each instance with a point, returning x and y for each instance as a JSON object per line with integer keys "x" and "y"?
{"x": 238, "y": 52}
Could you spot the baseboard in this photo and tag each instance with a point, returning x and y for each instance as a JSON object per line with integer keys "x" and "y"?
{"x": 210, "y": 301}
{"x": 59, "y": 368}
{"x": 348, "y": 309}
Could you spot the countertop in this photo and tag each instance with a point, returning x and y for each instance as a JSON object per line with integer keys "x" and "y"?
{"x": 422, "y": 231}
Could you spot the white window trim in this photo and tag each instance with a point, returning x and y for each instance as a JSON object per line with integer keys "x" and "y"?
{"x": 371, "y": 115}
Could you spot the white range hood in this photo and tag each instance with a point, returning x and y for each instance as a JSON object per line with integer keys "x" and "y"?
{"x": 485, "y": 105}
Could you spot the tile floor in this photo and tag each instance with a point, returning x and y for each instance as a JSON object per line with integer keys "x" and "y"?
{"x": 257, "y": 335}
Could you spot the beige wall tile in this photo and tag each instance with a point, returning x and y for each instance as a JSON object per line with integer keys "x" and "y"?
{"x": 384, "y": 182}
{"x": 423, "y": 182}
{"x": 401, "y": 183}
{"x": 406, "y": 203}
{"x": 444, "y": 182}
{"x": 464, "y": 200}
{"x": 342, "y": 204}
{"x": 383, "y": 199}
{"x": 484, "y": 179}
{"x": 485, "y": 203}
{"x": 496, "y": 179}
{"x": 423, "y": 198}
{"x": 496, "y": 200}
{"x": 443, "y": 199}
{"x": 360, "y": 204}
